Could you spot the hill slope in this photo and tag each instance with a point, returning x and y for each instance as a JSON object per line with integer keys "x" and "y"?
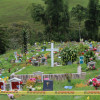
{"x": 15, "y": 10}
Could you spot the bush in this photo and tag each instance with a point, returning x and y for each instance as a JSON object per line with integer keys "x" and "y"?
{"x": 88, "y": 55}
{"x": 68, "y": 54}
{"x": 43, "y": 47}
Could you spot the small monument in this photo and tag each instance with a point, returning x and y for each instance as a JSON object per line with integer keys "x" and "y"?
{"x": 15, "y": 84}
{"x": 48, "y": 85}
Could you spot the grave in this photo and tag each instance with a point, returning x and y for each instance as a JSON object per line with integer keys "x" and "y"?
{"x": 2, "y": 85}
{"x": 40, "y": 74}
{"x": 52, "y": 54}
{"x": 15, "y": 53}
{"x": 91, "y": 64}
{"x": 98, "y": 49}
{"x": 48, "y": 85}
{"x": 15, "y": 84}
{"x": 43, "y": 60}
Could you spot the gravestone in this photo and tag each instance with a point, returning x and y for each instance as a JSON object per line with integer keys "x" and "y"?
{"x": 48, "y": 85}
{"x": 79, "y": 71}
{"x": 15, "y": 53}
{"x": 91, "y": 64}
{"x": 81, "y": 59}
{"x": 43, "y": 60}
{"x": 40, "y": 74}
{"x": 36, "y": 63}
{"x": 52, "y": 54}
{"x": 98, "y": 49}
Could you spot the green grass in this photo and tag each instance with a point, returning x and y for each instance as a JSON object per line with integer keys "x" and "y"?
{"x": 15, "y": 10}
{"x": 50, "y": 70}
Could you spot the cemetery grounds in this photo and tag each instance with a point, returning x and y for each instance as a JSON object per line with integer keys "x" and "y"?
{"x": 78, "y": 84}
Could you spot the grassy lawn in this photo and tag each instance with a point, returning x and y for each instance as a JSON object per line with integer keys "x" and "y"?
{"x": 50, "y": 70}
{"x": 15, "y": 10}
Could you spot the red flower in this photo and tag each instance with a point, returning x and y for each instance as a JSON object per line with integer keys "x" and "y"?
{"x": 82, "y": 53}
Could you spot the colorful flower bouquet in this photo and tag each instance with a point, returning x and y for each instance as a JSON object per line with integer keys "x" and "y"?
{"x": 94, "y": 82}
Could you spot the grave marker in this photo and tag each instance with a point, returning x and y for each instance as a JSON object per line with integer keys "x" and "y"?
{"x": 81, "y": 59}
{"x": 52, "y": 55}
{"x": 48, "y": 85}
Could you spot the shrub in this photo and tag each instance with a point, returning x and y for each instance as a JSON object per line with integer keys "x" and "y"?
{"x": 88, "y": 55}
{"x": 68, "y": 54}
{"x": 43, "y": 47}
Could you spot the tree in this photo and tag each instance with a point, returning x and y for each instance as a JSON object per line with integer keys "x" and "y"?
{"x": 79, "y": 13}
{"x": 55, "y": 18}
{"x": 3, "y": 39}
{"x": 25, "y": 42}
{"x": 92, "y": 23}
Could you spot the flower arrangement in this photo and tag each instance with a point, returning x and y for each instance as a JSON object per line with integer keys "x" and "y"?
{"x": 94, "y": 82}
{"x": 31, "y": 82}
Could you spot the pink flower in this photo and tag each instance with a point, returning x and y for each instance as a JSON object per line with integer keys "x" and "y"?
{"x": 91, "y": 58}
{"x": 94, "y": 79}
{"x": 94, "y": 84}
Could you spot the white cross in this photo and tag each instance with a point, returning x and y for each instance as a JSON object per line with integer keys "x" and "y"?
{"x": 52, "y": 56}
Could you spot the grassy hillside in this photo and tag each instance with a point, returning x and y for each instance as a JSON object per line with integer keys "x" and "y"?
{"x": 15, "y": 10}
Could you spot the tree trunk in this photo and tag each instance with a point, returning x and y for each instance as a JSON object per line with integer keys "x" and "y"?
{"x": 80, "y": 30}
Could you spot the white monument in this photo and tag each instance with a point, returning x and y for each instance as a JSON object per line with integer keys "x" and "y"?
{"x": 15, "y": 84}
{"x": 79, "y": 71}
{"x": 52, "y": 56}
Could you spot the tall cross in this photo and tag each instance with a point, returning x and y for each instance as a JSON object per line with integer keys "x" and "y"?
{"x": 52, "y": 55}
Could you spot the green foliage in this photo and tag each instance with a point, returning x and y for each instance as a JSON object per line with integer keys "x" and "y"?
{"x": 43, "y": 47}
{"x": 81, "y": 48}
{"x": 68, "y": 54}
{"x": 88, "y": 55}
{"x": 3, "y": 39}
{"x": 79, "y": 13}
{"x": 92, "y": 23}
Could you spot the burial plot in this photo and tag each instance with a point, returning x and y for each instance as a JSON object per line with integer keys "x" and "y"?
{"x": 48, "y": 85}
{"x": 38, "y": 73}
{"x": 2, "y": 85}
{"x": 15, "y": 84}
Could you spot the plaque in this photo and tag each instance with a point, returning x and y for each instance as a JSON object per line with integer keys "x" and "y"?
{"x": 48, "y": 85}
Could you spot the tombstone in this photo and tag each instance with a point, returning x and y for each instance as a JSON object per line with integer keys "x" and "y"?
{"x": 43, "y": 60}
{"x": 35, "y": 63}
{"x": 12, "y": 61}
{"x": 20, "y": 60}
{"x": 91, "y": 64}
{"x": 6, "y": 58}
{"x": 79, "y": 71}
{"x": 98, "y": 49}
{"x": 2, "y": 85}
{"x": 40, "y": 74}
{"x": 81, "y": 59}
{"x": 52, "y": 55}
{"x": 69, "y": 63}
{"x": 48, "y": 85}
{"x": 15, "y": 84}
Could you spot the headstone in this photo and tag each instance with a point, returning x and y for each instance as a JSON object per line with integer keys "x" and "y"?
{"x": 36, "y": 63}
{"x": 40, "y": 74}
{"x": 91, "y": 64}
{"x": 52, "y": 55}
{"x": 98, "y": 49}
{"x": 90, "y": 45}
{"x": 15, "y": 84}
{"x": 43, "y": 60}
{"x": 48, "y": 85}
{"x": 79, "y": 69}
{"x": 81, "y": 59}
